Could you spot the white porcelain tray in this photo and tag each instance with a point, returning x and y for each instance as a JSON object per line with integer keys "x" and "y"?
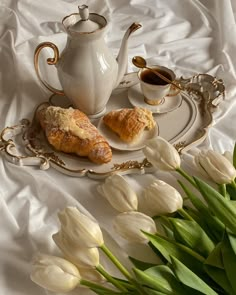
{"x": 186, "y": 126}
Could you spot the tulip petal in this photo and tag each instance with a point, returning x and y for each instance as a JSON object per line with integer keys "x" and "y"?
{"x": 54, "y": 273}
{"x": 79, "y": 228}
{"x": 217, "y": 166}
{"x": 160, "y": 198}
{"x": 162, "y": 154}
{"x": 119, "y": 193}
{"x": 129, "y": 225}
{"x": 80, "y": 256}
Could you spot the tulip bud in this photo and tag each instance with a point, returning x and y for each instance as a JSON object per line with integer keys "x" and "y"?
{"x": 217, "y": 166}
{"x": 161, "y": 154}
{"x": 80, "y": 229}
{"x": 91, "y": 274}
{"x": 119, "y": 194}
{"x": 80, "y": 256}
{"x": 228, "y": 155}
{"x": 161, "y": 198}
{"x": 129, "y": 225}
{"x": 54, "y": 273}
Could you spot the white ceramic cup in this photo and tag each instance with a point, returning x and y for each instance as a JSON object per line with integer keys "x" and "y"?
{"x": 154, "y": 88}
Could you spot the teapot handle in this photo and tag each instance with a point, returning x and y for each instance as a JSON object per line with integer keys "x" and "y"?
{"x": 50, "y": 61}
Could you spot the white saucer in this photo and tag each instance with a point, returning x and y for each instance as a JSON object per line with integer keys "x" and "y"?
{"x": 169, "y": 103}
{"x": 116, "y": 143}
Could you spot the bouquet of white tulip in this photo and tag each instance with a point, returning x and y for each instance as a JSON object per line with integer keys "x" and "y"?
{"x": 197, "y": 244}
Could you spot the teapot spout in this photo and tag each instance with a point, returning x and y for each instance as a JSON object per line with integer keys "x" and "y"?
{"x": 123, "y": 53}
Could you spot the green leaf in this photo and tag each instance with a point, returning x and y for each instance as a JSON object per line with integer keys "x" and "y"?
{"x": 193, "y": 213}
{"x": 169, "y": 278}
{"x": 197, "y": 203}
{"x": 156, "y": 283}
{"x": 128, "y": 285}
{"x": 222, "y": 208}
{"x": 103, "y": 292}
{"x": 232, "y": 240}
{"x": 219, "y": 276}
{"x": 170, "y": 248}
{"x": 190, "y": 279}
{"x": 189, "y": 233}
{"x": 152, "y": 292}
{"x": 168, "y": 232}
{"x": 234, "y": 156}
{"x": 231, "y": 191}
{"x": 215, "y": 227}
{"x": 204, "y": 222}
{"x": 215, "y": 257}
{"x": 162, "y": 279}
{"x": 229, "y": 260}
{"x": 233, "y": 202}
{"x": 142, "y": 265}
{"x": 158, "y": 253}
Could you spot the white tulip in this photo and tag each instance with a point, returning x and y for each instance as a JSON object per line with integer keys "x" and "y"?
{"x": 217, "y": 166}
{"x": 80, "y": 256}
{"x": 228, "y": 155}
{"x": 119, "y": 194}
{"x": 161, "y": 198}
{"x": 91, "y": 274}
{"x": 54, "y": 273}
{"x": 80, "y": 229}
{"x": 161, "y": 154}
{"x": 129, "y": 225}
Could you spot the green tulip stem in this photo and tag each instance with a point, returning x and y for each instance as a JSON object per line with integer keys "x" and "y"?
{"x": 122, "y": 269}
{"x": 93, "y": 285}
{"x": 184, "y": 214}
{"x": 116, "y": 262}
{"x": 222, "y": 190}
{"x": 233, "y": 184}
{"x": 109, "y": 278}
{"x": 186, "y": 176}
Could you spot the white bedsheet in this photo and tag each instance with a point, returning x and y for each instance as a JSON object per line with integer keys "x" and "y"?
{"x": 197, "y": 36}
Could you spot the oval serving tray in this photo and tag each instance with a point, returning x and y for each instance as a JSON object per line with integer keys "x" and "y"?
{"x": 184, "y": 127}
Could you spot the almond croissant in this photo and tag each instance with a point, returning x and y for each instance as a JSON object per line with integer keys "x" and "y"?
{"x": 70, "y": 131}
{"x": 129, "y": 123}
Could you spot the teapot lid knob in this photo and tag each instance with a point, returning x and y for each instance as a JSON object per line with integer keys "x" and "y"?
{"x": 84, "y": 12}
{"x": 85, "y": 24}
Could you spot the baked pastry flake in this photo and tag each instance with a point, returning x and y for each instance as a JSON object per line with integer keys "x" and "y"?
{"x": 129, "y": 123}
{"x": 70, "y": 131}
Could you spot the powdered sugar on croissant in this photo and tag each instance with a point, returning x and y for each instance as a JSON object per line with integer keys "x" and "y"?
{"x": 70, "y": 131}
{"x": 129, "y": 123}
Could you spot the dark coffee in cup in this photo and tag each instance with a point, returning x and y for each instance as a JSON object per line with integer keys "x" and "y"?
{"x": 149, "y": 77}
{"x": 155, "y": 89}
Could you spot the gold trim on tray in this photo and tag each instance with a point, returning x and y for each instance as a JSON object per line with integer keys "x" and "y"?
{"x": 205, "y": 91}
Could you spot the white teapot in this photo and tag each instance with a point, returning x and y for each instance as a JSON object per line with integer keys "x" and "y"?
{"x": 87, "y": 70}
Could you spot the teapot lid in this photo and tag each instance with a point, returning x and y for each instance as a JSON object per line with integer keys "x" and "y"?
{"x": 85, "y": 25}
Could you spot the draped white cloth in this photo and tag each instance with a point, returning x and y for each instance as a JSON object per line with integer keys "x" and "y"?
{"x": 191, "y": 37}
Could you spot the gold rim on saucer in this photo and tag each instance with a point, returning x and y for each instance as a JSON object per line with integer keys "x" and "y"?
{"x": 154, "y": 102}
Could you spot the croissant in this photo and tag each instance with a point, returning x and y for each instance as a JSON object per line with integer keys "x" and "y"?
{"x": 129, "y": 123}
{"x": 70, "y": 131}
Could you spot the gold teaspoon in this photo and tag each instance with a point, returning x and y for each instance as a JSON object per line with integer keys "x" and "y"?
{"x": 141, "y": 63}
